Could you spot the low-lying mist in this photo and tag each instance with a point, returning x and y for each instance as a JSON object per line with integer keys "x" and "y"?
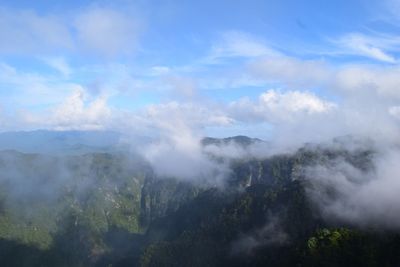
{"x": 363, "y": 193}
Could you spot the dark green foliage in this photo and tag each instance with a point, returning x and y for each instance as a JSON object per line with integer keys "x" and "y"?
{"x": 351, "y": 247}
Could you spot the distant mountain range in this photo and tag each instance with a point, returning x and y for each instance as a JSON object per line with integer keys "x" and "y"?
{"x": 238, "y": 140}
{"x": 111, "y": 209}
{"x": 78, "y": 142}
{"x": 44, "y": 141}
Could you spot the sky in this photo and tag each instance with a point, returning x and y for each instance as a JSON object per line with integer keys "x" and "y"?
{"x": 267, "y": 69}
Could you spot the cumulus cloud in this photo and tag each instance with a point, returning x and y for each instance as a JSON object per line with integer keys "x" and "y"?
{"x": 346, "y": 80}
{"x": 365, "y": 95}
{"x": 76, "y": 112}
{"x": 295, "y": 101}
{"x": 275, "y": 106}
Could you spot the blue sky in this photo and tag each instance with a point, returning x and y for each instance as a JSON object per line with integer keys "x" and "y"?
{"x": 219, "y": 67}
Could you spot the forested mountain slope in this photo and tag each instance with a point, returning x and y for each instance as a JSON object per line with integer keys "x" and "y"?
{"x": 110, "y": 209}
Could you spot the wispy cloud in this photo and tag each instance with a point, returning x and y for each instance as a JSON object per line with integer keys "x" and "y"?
{"x": 374, "y": 47}
{"x": 235, "y": 44}
{"x": 25, "y": 31}
{"x": 59, "y": 64}
{"x": 107, "y": 31}
{"x": 102, "y": 31}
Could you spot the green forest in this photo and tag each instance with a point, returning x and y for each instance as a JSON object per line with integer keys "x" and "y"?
{"x": 111, "y": 209}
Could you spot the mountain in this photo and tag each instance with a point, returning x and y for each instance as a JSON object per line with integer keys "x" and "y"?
{"x": 111, "y": 209}
{"x": 44, "y": 141}
{"x": 238, "y": 140}
{"x": 80, "y": 142}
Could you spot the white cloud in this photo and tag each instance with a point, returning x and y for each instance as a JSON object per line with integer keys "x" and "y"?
{"x": 103, "y": 31}
{"x": 27, "y": 89}
{"x": 292, "y": 71}
{"x": 366, "y": 94}
{"x": 159, "y": 70}
{"x": 295, "y": 101}
{"x": 182, "y": 87}
{"x": 280, "y": 107}
{"x": 394, "y": 111}
{"x": 392, "y": 8}
{"x": 241, "y": 45}
{"x": 371, "y": 47}
{"x": 178, "y": 153}
{"x": 107, "y": 31}
{"x": 346, "y": 80}
{"x": 196, "y": 115}
{"x": 359, "y": 197}
{"x": 59, "y": 64}
{"x": 383, "y": 81}
{"x": 26, "y": 32}
{"x": 76, "y": 112}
